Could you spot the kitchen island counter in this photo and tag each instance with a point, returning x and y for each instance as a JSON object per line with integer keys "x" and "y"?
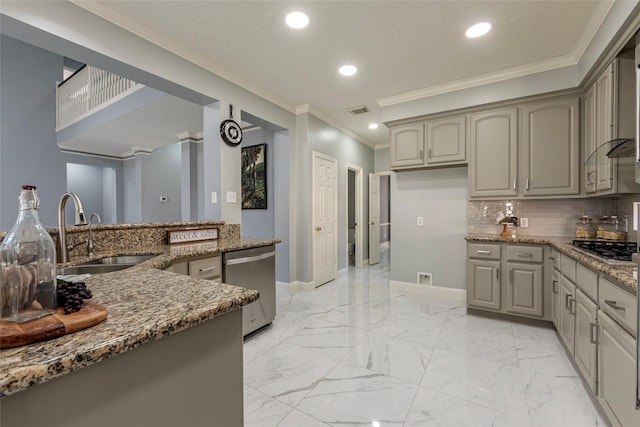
{"x": 622, "y": 272}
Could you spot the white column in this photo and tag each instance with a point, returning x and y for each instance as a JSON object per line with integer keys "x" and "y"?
{"x": 189, "y": 174}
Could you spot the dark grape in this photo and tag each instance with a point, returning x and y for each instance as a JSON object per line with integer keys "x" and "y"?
{"x": 71, "y": 296}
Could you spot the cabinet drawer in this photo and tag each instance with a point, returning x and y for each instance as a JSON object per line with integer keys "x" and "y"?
{"x": 479, "y": 250}
{"x": 618, "y": 304}
{"x": 568, "y": 267}
{"x": 207, "y": 268}
{"x": 587, "y": 281}
{"x": 525, "y": 253}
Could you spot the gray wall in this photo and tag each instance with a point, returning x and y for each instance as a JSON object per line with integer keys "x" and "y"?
{"x": 162, "y": 178}
{"x": 325, "y": 139}
{"x": 438, "y": 247}
{"x": 28, "y": 150}
{"x": 382, "y": 163}
{"x": 88, "y": 183}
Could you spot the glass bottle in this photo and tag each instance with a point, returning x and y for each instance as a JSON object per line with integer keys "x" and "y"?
{"x": 27, "y": 264}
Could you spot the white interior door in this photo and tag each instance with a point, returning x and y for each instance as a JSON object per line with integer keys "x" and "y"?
{"x": 325, "y": 219}
{"x": 374, "y": 218}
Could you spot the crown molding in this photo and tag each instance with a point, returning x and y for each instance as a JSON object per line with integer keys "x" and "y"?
{"x": 306, "y": 108}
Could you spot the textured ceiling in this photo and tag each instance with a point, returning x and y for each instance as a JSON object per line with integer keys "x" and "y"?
{"x": 399, "y": 46}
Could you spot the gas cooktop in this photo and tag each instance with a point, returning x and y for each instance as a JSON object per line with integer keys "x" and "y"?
{"x": 608, "y": 250}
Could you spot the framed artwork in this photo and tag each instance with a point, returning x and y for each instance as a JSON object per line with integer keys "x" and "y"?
{"x": 254, "y": 177}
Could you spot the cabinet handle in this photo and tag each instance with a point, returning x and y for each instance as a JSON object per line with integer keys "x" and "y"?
{"x": 483, "y": 252}
{"x": 593, "y": 333}
{"x": 526, "y": 184}
{"x": 510, "y": 276}
{"x": 515, "y": 188}
{"x": 572, "y": 306}
{"x": 421, "y": 155}
{"x": 204, "y": 270}
{"x": 525, "y": 255}
{"x": 552, "y": 259}
{"x": 555, "y": 286}
{"x": 498, "y": 274}
{"x": 566, "y": 300}
{"x": 429, "y": 153}
{"x": 614, "y": 305}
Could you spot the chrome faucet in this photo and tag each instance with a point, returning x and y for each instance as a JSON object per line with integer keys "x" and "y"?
{"x": 91, "y": 241}
{"x": 62, "y": 249}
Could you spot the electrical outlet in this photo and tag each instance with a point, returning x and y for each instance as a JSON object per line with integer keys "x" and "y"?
{"x": 524, "y": 222}
{"x": 231, "y": 196}
{"x": 420, "y": 220}
{"x": 163, "y": 199}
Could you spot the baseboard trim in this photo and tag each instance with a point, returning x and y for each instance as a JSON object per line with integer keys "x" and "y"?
{"x": 301, "y": 286}
{"x": 451, "y": 293}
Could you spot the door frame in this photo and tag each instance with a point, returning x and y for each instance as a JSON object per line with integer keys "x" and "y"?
{"x": 314, "y": 156}
{"x": 359, "y": 241}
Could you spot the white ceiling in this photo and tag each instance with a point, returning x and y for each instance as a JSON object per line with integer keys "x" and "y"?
{"x": 403, "y": 49}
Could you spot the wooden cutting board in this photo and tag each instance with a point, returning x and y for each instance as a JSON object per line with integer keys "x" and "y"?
{"x": 52, "y": 326}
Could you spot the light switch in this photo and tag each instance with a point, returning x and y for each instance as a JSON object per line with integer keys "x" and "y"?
{"x": 420, "y": 220}
{"x": 214, "y": 197}
{"x": 231, "y": 196}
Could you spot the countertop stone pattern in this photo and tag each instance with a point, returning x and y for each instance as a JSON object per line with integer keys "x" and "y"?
{"x": 622, "y": 273}
{"x": 144, "y": 304}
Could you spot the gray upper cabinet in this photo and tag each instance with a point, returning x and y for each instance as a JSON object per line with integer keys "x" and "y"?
{"x": 446, "y": 141}
{"x": 493, "y": 163}
{"x": 609, "y": 107}
{"x": 589, "y": 140}
{"x": 550, "y": 148}
{"x": 436, "y": 142}
{"x": 407, "y": 146}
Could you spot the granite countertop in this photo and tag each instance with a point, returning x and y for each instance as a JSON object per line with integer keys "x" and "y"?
{"x": 623, "y": 273}
{"x": 144, "y": 304}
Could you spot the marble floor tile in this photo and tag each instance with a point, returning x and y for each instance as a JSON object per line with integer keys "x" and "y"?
{"x": 287, "y": 372}
{"x": 433, "y": 409}
{"x": 359, "y": 350}
{"x": 299, "y": 419}
{"x": 351, "y": 395}
{"x": 398, "y": 358}
{"x": 261, "y": 410}
{"x": 467, "y": 377}
{"x": 330, "y": 339}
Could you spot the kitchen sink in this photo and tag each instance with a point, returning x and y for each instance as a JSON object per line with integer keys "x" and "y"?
{"x": 105, "y": 265}
{"x": 92, "y": 268}
{"x": 122, "y": 259}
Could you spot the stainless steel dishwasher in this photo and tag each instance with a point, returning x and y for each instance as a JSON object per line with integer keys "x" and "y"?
{"x": 253, "y": 269}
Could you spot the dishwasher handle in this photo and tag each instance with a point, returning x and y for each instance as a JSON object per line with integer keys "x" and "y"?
{"x": 248, "y": 259}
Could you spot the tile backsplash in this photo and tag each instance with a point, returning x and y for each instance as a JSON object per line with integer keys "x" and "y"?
{"x": 551, "y": 217}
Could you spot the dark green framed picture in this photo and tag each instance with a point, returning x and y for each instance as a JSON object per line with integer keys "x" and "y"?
{"x": 254, "y": 177}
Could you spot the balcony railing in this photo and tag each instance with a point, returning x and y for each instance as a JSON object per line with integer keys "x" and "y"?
{"x": 88, "y": 90}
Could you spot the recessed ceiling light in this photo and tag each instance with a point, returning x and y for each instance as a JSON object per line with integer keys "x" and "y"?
{"x": 348, "y": 70}
{"x": 297, "y": 20}
{"x": 373, "y": 126}
{"x": 478, "y": 30}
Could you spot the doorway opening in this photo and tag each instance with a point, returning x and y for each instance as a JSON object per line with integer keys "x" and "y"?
{"x": 354, "y": 216}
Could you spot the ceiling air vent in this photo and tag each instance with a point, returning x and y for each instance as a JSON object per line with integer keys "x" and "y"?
{"x": 358, "y": 110}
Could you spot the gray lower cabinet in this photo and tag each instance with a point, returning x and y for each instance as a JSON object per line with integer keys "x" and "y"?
{"x": 555, "y": 298}
{"x": 567, "y": 313}
{"x": 506, "y": 278}
{"x": 617, "y": 363}
{"x": 524, "y": 289}
{"x": 586, "y": 332}
{"x": 483, "y": 284}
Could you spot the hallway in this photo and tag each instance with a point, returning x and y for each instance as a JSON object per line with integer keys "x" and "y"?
{"x": 356, "y": 352}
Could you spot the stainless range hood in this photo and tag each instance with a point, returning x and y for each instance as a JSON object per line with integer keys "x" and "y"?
{"x": 622, "y": 147}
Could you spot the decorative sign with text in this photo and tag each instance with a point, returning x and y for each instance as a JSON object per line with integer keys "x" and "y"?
{"x": 191, "y": 235}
